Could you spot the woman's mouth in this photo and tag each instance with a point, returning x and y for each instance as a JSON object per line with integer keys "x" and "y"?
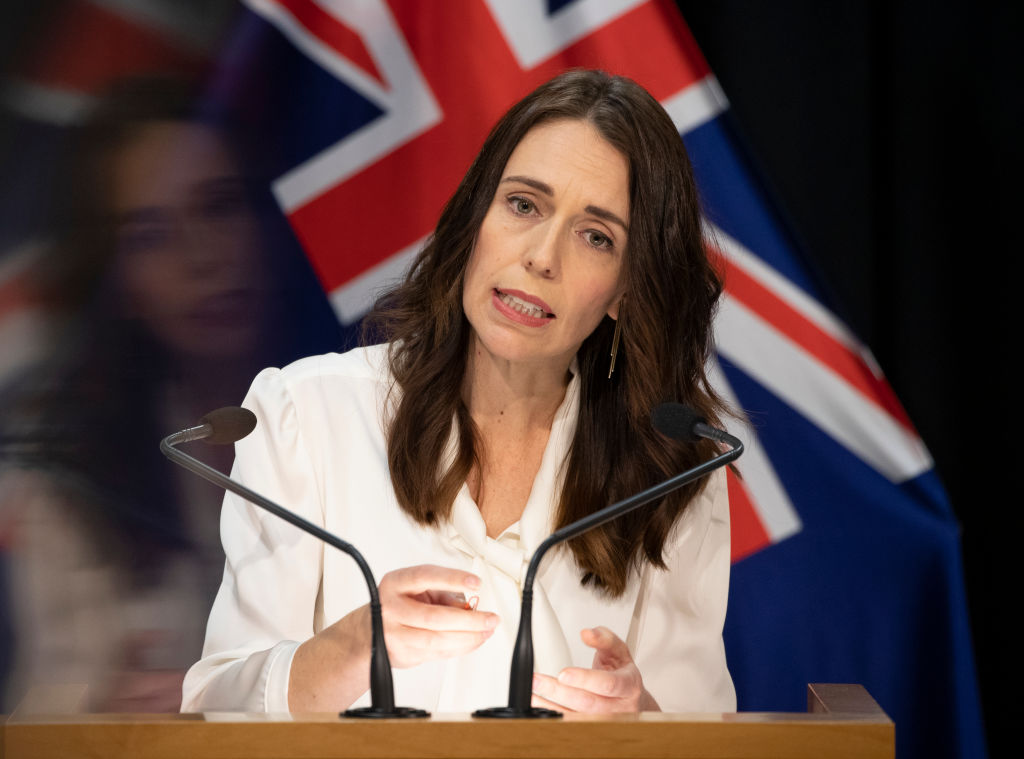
{"x": 524, "y": 307}
{"x": 515, "y": 306}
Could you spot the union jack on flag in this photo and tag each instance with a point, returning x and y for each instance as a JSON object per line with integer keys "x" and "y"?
{"x": 839, "y": 524}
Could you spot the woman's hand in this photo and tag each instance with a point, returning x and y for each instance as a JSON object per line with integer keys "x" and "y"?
{"x": 426, "y": 616}
{"x": 613, "y": 684}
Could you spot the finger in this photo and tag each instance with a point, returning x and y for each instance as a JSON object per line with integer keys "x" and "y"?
{"x": 602, "y": 682}
{"x": 448, "y": 598}
{"x": 412, "y": 613}
{"x": 571, "y": 698}
{"x": 443, "y": 598}
{"x": 543, "y": 703}
{"x": 429, "y": 577}
{"x": 433, "y": 644}
{"x": 611, "y": 651}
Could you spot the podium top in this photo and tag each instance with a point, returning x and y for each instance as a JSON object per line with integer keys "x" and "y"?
{"x": 843, "y": 721}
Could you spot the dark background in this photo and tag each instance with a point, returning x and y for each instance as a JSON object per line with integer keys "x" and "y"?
{"x": 890, "y": 134}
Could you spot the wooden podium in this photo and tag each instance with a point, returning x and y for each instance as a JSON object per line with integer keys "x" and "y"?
{"x": 841, "y": 721}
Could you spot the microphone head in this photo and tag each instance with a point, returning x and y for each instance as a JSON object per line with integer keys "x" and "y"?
{"x": 676, "y": 421}
{"x": 230, "y": 424}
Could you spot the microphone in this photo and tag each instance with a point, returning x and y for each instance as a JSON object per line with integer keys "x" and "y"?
{"x": 229, "y": 425}
{"x": 673, "y": 420}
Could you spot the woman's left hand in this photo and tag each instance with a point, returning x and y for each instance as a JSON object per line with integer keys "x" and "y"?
{"x": 613, "y": 684}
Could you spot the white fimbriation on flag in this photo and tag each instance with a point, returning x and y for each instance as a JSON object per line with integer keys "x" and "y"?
{"x": 768, "y": 497}
{"x": 404, "y": 96}
{"x": 817, "y": 391}
{"x": 534, "y": 35}
{"x": 697, "y": 104}
{"x": 352, "y": 300}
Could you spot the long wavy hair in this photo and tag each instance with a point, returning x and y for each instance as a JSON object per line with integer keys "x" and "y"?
{"x": 671, "y": 290}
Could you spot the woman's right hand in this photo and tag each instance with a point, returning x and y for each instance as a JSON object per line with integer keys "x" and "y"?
{"x": 425, "y": 614}
{"x": 425, "y": 618}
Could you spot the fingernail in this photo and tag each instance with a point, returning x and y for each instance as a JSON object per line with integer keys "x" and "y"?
{"x": 492, "y": 621}
{"x": 472, "y": 581}
{"x": 565, "y": 678}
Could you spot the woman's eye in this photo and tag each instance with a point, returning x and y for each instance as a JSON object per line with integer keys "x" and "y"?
{"x": 522, "y": 205}
{"x": 599, "y": 240}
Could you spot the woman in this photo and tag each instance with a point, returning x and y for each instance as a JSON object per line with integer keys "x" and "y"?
{"x": 490, "y": 417}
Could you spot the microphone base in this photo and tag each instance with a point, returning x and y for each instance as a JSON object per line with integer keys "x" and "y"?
{"x": 372, "y": 712}
{"x": 508, "y": 712}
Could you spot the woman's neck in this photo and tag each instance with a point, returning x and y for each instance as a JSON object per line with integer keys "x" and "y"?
{"x": 513, "y": 406}
{"x": 515, "y": 394}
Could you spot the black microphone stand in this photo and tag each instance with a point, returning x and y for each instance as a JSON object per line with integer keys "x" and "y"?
{"x": 520, "y": 687}
{"x": 382, "y": 691}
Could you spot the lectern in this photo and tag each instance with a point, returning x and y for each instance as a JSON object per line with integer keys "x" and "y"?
{"x": 841, "y": 721}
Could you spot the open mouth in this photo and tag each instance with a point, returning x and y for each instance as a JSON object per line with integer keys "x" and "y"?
{"x": 523, "y": 307}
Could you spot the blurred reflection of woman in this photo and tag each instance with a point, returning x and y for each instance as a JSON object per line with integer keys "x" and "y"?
{"x": 113, "y": 558}
{"x": 490, "y": 417}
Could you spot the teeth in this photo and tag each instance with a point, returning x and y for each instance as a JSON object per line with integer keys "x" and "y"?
{"x": 528, "y": 309}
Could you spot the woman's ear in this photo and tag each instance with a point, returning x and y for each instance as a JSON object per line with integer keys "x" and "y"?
{"x": 613, "y": 309}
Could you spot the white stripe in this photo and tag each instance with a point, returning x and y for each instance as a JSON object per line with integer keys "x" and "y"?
{"x": 341, "y": 161}
{"x": 408, "y": 104}
{"x": 818, "y": 393}
{"x": 796, "y": 298}
{"x": 354, "y": 298}
{"x": 534, "y": 35}
{"x": 768, "y": 497}
{"x": 785, "y": 290}
{"x": 697, "y": 104}
{"x": 328, "y": 58}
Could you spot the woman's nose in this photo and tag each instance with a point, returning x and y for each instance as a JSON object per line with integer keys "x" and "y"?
{"x": 543, "y": 255}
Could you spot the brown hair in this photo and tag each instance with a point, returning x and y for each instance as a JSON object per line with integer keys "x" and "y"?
{"x": 670, "y": 296}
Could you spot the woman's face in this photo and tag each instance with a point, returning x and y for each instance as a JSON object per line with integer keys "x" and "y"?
{"x": 547, "y": 262}
{"x": 189, "y": 264}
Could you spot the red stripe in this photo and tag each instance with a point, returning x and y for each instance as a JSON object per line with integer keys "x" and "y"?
{"x": 474, "y": 77}
{"x": 809, "y": 336}
{"x": 396, "y": 201}
{"x": 748, "y": 533}
{"x": 88, "y": 47}
{"x": 334, "y": 34}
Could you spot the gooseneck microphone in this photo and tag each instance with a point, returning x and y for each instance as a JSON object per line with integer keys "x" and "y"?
{"x": 229, "y": 425}
{"x": 673, "y": 420}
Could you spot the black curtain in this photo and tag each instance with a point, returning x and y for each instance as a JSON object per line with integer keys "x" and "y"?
{"x": 891, "y": 134}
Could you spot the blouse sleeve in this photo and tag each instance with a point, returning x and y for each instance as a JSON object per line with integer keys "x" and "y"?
{"x": 266, "y": 602}
{"x": 679, "y": 648}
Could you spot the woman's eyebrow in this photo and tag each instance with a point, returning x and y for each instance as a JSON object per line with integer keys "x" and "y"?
{"x": 602, "y": 213}
{"x": 545, "y": 188}
{"x": 530, "y": 182}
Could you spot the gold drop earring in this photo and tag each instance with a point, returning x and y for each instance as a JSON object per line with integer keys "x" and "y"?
{"x": 615, "y": 342}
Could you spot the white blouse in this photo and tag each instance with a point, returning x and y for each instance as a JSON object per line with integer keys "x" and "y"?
{"x": 319, "y": 449}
